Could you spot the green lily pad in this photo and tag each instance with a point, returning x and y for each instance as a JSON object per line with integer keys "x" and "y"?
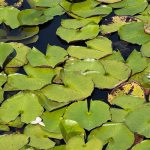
{"x": 89, "y": 8}
{"x": 132, "y": 62}
{"x": 134, "y": 33}
{"x": 18, "y": 104}
{"x": 10, "y": 20}
{"x": 35, "y": 79}
{"x": 52, "y": 120}
{"x": 143, "y": 78}
{"x": 78, "y": 142}
{"x": 144, "y": 145}
{"x": 21, "y": 54}
{"x": 145, "y": 49}
{"x": 117, "y": 135}
{"x": 70, "y": 128}
{"x": 97, "y": 114}
{"x": 39, "y": 138}
{"x": 102, "y": 72}
{"x": 89, "y": 31}
{"x": 76, "y": 87}
{"x": 138, "y": 120}
{"x": 130, "y": 7}
{"x": 13, "y": 141}
{"x": 54, "y": 56}
{"x": 4, "y": 127}
{"x": 96, "y": 48}
{"x": 5, "y": 51}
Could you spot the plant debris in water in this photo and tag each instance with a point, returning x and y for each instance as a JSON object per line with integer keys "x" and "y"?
{"x": 46, "y": 100}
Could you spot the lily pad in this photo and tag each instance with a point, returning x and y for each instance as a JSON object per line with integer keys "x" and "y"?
{"x": 132, "y": 62}
{"x": 109, "y": 1}
{"x": 70, "y": 128}
{"x": 144, "y": 145}
{"x": 145, "y": 49}
{"x": 39, "y": 138}
{"x": 76, "y": 87}
{"x": 138, "y": 120}
{"x": 52, "y": 120}
{"x": 54, "y": 56}
{"x": 88, "y": 118}
{"x": 130, "y": 7}
{"x": 134, "y": 33}
{"x": 89, "y": 31}
{"x": 35, "y": 79}
{"x": 96, "y": 49}
{"x": 13, "y": 141}
{"x": 117, "y": 135}
{"x": 18, "y": 104}
{"x": 5, "y": 51}
{"x": 10, "y": 20}
{"x": 78, "y": 142}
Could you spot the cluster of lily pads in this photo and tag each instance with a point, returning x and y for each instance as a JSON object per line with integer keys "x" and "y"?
{"x": 45, "y": 98}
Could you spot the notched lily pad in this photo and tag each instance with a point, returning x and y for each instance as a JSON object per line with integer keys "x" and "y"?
{"x": 19, "y": 104}
{"x": 97, "y": 114}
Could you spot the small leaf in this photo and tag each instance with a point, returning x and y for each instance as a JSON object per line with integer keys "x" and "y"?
{"x": 19, "y": 104}
{"x": 13, "y": 141}
{"x": 88, "y": 119}
{"x": 132, "y": 62}
{"x": 134, "y": 33}
{"x": 39, "y": 138}
{"x": 117, "y": 135}
{"x": 144, "y": 145}
{"x": 138, "y": 120}
{"x": 70, "y": 128}
{"x": 145, "y": 49}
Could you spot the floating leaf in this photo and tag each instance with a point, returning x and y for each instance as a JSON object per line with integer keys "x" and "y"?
{"x": 78, "y": 142}
{"x": 132, "y": 62}
{"x": 13, "y": 141}
{"x": 71, "y": 128}
{"x": 116, "y": 23}
{"x": 21, "y": 54}
{"x": 52, "y": 120}
{"x": 5, "y": 51}
{"x": 134, "y": 33}
{"x": 88, "y": 118}
{"x": 145, "y": 49}
{"x": 76, "y": 87}
{"x": 138, "y": 121}
{"x": 144, "y": 145}
{"x": 35, "y": 79}
{"x": 54, "y": 56}
{"x": 19, "y": 104}
{"x": 143, "y": 78}
{"x": 96, "y": 48}
{"x": 10, "y": 20}
{"x": 89, "y": 31}
{"x": 39, "y": 138}
{"x": 130, "y": 7}
{"x": 102, "y": 73}
{"x": 117, "y": 135}
{"x": 128, "y": 88}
